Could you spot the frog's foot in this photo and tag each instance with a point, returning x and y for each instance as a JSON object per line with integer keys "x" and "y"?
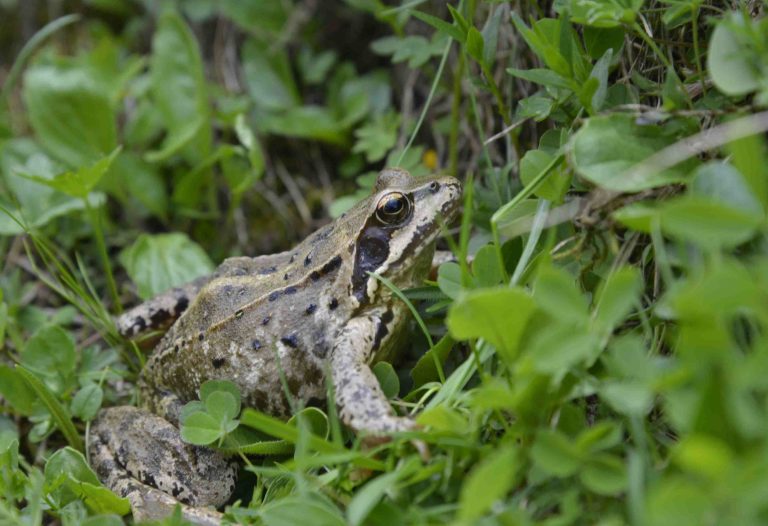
{"x": 141, "y": 456}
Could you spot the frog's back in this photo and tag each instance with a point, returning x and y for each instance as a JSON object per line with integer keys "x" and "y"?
{"x": 247, "y": 327}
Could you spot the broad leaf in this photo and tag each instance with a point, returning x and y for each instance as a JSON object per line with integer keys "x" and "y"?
{"x": 156, "y": 263}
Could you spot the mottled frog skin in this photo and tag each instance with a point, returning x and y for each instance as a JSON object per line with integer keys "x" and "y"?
{"x": 309, "y": 311}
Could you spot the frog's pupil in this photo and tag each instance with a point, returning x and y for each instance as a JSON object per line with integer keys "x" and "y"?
{"x": 393, "y": 206}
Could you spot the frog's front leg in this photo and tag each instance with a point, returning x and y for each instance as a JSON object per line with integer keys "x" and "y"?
{"x": 362, "y": 404}
{"x": 140, "y": 456}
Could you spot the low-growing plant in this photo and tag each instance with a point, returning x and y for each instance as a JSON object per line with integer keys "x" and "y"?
{"x": 595, "y": 351}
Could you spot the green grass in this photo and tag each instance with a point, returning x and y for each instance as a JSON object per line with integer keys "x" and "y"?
{"x": 598, "y": 351}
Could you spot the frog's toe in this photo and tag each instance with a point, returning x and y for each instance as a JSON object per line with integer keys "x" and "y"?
{"x": 134, "y": 451}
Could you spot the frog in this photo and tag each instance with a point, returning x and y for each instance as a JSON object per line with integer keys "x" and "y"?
{"x": 271, "y": 324}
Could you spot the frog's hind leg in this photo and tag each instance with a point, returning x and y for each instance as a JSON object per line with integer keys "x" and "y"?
{"x": 159, "y": 312}
{"x": 141, "y": 456}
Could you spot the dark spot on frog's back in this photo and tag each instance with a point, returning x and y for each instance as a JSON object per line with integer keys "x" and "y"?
{"x": 308, "y": 260}
{"x": 291, "y": 341}
{"x": 333, "y": 304}
{"x": 310, "y": 308}
{"x": 267, "y": 270}
{"x": 274, "y": 295}
{"x": 265, "y": 320}
{"x": 289, "y": 290}
{"x": 333, "y": 264}
{"x": 256, "y": 345}
{"x": 217, "y": 362}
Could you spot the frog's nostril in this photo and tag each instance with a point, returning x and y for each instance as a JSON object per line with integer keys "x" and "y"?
{"x": 434, "y": 186}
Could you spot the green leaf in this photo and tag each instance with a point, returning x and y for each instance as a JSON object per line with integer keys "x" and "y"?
{"x": 449, "y": 279}
{"x": 477, "y": 493}
{"x": 451, "y": 30}
{"x": 201, "y": 429}
{"x": 16, "y": 391}
{"x": 366, "y": 498}
{"x": 71, "y": 116}
{"x": 555, "y": 185}
{"x": 177, "y": 83}
{"x": 59, "y": 413}
{"x": 486, "y": 267}
{"x": 545, "y": 77}
{"x": 50, "y": 353}
{"x": 637, "y": 216}
{"x": 415, "y": 49}
{"x": 606, "y": 147}
{"x": 704, "y": 455}
{"x": 377, "y": 136}
{"x": 707, "y": 223}
{"x": 177, "y": 139}
{"x": 554, "y": 453}
{"x": 497, "y": 314}
{"x": 387, "y": 378}
{"x": 544, "y": 39}
{"x": 80, "y": 182}
{"x": 604, "y": 13}
{"x": 475, "y": 44}
{"x": 248, "y": 139}
{"x": 68, "y": 476}
{"x": 156, "y": 263}
{"x": 293, "y": 510}
{"x": 729, "y": 61}
{"x": 212, "y": 386}
{"x": 537, "y": 107}
{"x": 222, "y": 406}
{"x": 597, "y": 40}
{"x": 747, "y": 156}
{"x": 558, "y": 349}
{"x": 425, "y": 369}
{"x": 268, "y": 77}
{"x": 309, "y": 122}
{"x": 618, "y": 294}
{"x": 557, "y": 293}
{"x": 443, "y": 418}
{"x": 721, "y": 182}
{"x": 604, "y": 474}
{"x": 87, "y": 402}
{"x": 601, "y": 436}
{"x": 629, "y": 397}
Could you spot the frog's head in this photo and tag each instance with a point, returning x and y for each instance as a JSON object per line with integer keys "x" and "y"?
{"x": 398, "y": 226}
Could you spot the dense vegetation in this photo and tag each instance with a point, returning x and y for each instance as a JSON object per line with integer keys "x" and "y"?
{"x": 601, "y": 357}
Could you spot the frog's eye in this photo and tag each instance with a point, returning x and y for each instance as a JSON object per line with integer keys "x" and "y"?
{"x": 393, "y": 208}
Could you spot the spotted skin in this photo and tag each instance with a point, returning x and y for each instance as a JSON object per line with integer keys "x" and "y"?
{"x": 274, "y": 321}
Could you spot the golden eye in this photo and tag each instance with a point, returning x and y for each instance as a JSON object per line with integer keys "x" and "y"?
{"x": 393, "y": 208}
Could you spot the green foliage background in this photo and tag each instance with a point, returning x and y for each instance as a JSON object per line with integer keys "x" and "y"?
{"x": 599, "y": 352}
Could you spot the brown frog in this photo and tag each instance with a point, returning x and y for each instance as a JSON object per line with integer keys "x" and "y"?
{"x": 313, "y": 309}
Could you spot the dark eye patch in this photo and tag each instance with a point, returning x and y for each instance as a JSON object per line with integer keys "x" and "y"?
{"x": 372, "y": 252}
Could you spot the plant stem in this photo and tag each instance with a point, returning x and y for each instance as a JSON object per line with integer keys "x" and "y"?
{"x": 696, "y": 50}
{"x": 453, "y": 140}
{"x": 101, "y": 246}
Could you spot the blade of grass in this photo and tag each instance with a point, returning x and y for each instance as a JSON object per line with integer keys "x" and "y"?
{"x": 60, "y": 414}
{"x": 29, "y": 48}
